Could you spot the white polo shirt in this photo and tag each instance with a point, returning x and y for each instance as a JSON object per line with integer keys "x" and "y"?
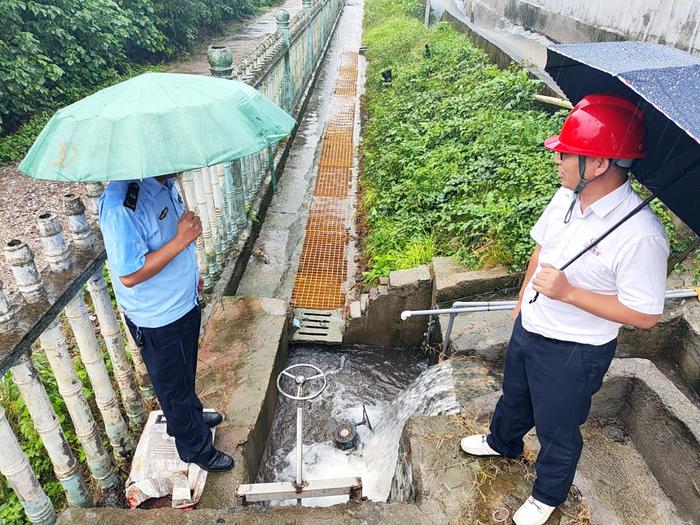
{"x": 629, "y": 263}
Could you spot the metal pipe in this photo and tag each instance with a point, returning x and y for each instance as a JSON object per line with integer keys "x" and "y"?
{"x": 484, "y": 306}
{"x": 554, "y": 101}
{"x": 14, "y": 465}
{"x": 300, "y": 430}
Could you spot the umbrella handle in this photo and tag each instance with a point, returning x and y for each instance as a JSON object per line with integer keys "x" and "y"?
{"x": 183, "y": 194}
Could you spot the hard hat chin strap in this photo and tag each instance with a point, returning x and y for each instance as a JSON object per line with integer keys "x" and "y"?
{"x": 579, "y": 187}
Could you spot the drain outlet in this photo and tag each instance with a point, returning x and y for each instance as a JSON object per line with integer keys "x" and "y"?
{"x": 317, "y": 326}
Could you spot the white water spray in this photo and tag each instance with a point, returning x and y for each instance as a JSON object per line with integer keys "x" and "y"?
{"x": 431, "y": 394}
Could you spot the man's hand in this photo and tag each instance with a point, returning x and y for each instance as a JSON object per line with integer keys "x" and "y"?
{"x": 189, "y": 227}
{"x": 552, "y": 283}
{"x": 516, "y": 310}
{"x": 200, "y": 285}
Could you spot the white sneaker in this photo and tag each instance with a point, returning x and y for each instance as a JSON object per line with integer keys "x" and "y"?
{"x": 532, "y": 512}
{"x": 476, "y": 445}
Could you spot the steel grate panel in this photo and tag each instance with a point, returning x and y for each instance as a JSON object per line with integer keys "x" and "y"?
{"x": 323, "y": 263}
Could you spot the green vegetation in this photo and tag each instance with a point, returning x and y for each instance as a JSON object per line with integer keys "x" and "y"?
{"x": 452, "y": 154}
{"x": 53, "y": 52}
{"x": 11, "y": 511}
{"x": 452, "y": 150}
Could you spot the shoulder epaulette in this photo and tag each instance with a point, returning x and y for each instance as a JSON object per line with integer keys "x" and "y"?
{"x": 132, "y": 196}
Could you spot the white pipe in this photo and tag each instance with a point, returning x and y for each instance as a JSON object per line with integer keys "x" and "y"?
{"x": 238, "y": 194}
{"x": 300, "y": 441}
{"x": 484, "y": 306}
{"x": 226, "y": 237}
{"x": 14, "y": 465}
{"x": 77, "y": 222}
{"x": 142, "y": 378}
{"x": 203, "y": 212}
{"x": 91, "y": 355}
{"x": 21, "y": 261}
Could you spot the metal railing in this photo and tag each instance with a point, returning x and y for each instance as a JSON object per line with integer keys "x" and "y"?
{"x": 51, "y": 302}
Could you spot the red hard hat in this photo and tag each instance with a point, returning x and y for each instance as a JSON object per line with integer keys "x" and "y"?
{"x": 602, "y": 126}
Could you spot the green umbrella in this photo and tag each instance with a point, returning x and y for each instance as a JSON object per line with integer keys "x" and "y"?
{"x": 155, "y": 124}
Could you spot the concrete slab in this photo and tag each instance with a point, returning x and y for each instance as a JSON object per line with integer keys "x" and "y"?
{"x": 641, "y": 455}
{"x": 469, "y": 490}
{"x": 243, "y": 350}
{"x": 355, "y": 513}
{"x": 318, "y": 326}
{"x": 455, "y": 282}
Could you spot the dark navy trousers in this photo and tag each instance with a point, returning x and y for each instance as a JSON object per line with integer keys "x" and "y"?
{"x": 548, "y": 384}
{"x": 170, "y": 355}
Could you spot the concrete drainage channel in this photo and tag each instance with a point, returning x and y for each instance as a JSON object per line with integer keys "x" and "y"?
{"x": 641, "y": 463}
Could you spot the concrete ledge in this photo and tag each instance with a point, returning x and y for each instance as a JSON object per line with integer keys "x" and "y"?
{"x": 244, "y": 349}
{"x": 380, "y": 323}
{"x": 454, "y": 282}
{"x": 654, "y": 481}
{"x": 366, "y": 512}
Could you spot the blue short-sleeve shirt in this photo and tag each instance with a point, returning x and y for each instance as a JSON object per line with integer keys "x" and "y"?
{"x": 130, "y": 232}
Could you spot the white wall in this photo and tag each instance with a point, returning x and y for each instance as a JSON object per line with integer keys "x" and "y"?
{"x": 674, "y": 22}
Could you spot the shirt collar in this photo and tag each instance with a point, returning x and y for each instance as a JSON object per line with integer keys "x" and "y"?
{"x": 609, "y": 202}
{"x": 153, "y": 186}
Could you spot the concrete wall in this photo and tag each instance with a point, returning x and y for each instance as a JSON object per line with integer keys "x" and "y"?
{"x": 672, "y": 22}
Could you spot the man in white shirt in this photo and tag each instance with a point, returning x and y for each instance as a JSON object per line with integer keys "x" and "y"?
{"x": 564, "y": 341}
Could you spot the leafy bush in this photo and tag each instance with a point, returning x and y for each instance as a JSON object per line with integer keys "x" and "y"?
{"x": 452, "y": 150}
{"x": 53, "y": 52}
{"x": 11, "y": 511}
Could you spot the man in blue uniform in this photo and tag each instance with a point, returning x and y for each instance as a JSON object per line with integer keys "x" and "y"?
{"x": 149, "y": 240}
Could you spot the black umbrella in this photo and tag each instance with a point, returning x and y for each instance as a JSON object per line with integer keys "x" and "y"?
{"x": 664, "y": 82}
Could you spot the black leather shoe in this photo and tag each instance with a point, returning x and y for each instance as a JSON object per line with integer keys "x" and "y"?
{"x": 219, "y": 462}
{"x": 212, "y": 418}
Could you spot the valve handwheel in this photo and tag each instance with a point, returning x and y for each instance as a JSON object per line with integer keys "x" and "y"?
{"x": 300, "y": 380}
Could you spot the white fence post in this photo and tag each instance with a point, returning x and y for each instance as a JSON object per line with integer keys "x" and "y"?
{"x": 14, "y": 465}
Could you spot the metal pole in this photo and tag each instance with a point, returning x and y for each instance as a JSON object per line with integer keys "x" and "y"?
{"x": 300, "y": 430}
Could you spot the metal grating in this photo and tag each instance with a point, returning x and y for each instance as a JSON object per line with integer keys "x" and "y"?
{"x": 323, "y": 264}
{"x": 318, "y": 325}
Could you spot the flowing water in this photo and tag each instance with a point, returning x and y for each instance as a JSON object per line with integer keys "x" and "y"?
{"x": 393, "y": 385}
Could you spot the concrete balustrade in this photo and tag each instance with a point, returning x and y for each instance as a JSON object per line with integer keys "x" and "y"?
{"x": 14, "y": 465}
{"x": 281, "y": 67}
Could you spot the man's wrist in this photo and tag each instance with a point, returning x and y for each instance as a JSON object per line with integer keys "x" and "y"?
{"x": 570, "y": 294}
